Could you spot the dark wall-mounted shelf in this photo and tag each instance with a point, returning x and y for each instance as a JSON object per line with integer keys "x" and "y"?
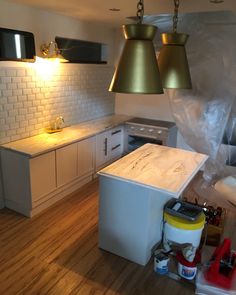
{"x": 79, "y": 51}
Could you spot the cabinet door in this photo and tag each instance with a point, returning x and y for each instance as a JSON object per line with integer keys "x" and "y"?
{"x": 116, "y": 143}
{"x": 42, "y": 175}
{"x": 86, "y": 149}
{"x": 102, "y": 152}
{"x": 66, "y": 159}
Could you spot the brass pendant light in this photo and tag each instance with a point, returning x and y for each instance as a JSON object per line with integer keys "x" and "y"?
{"x": 172, "y": 60}
{"x": 137, "y": 71}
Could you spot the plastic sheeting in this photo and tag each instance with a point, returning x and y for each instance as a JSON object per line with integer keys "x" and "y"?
{"x": 203, "y": 113}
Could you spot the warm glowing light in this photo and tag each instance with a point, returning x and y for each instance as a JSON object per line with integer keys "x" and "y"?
{"x": 18, "y": 47}
{"x": 46, "y": 68}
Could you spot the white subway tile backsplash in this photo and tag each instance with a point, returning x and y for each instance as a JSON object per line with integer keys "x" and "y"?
{"x": 21, "y": 73}
{"x": 29, "y": 101}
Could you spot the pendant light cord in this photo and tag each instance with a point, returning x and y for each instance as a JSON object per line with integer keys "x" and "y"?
{"x": 175, "y": 17}
{"x": 140, "y": 11}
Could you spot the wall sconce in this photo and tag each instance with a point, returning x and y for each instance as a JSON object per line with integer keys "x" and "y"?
{"x": 52, "y": 52}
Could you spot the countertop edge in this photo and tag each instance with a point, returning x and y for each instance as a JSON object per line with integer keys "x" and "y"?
{"x": 137, "y": 183}
{"x": 58, "y": 146}
{"x": 173, "y": 194}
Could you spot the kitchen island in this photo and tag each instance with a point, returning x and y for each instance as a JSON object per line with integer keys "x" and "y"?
{"x": 133, "y": 192}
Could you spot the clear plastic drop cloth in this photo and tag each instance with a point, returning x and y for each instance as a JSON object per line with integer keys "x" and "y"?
{"x": 203, "y": 113}
{"x": 206, "y": 114}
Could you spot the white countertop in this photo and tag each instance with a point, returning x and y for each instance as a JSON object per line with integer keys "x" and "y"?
{"x": 39, "y": 144}
{"x": 162, "y": 168}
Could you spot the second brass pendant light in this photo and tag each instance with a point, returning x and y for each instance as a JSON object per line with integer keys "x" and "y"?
{"x": 172, "y": 60}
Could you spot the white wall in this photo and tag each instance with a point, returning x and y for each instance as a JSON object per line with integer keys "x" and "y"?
{"x": 145, "y": 106}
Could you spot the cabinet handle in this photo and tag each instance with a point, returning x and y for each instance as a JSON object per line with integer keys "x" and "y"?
{"x": 105, "y": 146}
{"x": 115, "y": 132}
{"x": 115, "y": 147}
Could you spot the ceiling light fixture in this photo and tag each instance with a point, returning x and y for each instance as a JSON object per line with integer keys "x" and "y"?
{"x": 216, "y": 1}
{"x": 52, "y": 52}
{"x": 137, "y": 71}
{"x": 114, "y": 9}
{"x": 172, "y": 60}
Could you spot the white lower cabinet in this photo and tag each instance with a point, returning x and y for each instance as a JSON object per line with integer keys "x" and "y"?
{"x": 109, "y": 146}
{"x": 66, "y": 163}
{"x": 33, "y": 184}
{"x": 27, "y": 180}
{"x": 86, "y": 149}
{"x": 42, "y": 175}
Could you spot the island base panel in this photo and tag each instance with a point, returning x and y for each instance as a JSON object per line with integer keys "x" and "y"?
{"x": 130, "y": 219}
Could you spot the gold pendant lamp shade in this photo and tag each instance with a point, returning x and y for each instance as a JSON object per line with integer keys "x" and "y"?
{"x": 137, "y": 71}
{"x": 173, "y": 63}
{"x": 172, "y": 59}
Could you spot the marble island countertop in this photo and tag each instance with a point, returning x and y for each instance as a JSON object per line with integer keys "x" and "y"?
{"x": 159, "y": 167}
{"x": 39, "y": 144}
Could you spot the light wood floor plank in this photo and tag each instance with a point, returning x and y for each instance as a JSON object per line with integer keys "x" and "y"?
{"x": 56, "y": 253}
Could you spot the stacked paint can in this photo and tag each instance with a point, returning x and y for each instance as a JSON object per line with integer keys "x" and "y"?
{"x": 161, "y": 263}
{"x": 179, "y": 230}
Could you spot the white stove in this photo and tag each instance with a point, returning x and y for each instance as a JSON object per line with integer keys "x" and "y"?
{"x": 139, "y": 131}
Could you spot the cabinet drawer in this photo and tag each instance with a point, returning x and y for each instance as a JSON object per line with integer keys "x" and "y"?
{"x": 116, "y": 150}
{"x": 116, "y": 136}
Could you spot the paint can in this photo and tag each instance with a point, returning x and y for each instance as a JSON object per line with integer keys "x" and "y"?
{"x": 161, "y": 263}
{"x": 186, "y": 269}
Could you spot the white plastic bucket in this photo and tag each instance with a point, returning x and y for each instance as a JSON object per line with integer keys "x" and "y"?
{"x": 181, "y": 231}
{"x": 182, "y": 236}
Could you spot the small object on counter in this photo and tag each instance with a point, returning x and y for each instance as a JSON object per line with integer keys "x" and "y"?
{"x": 161, "y": 261}
{"x": 222, "y": 269}
{"x": 186, "y": 269}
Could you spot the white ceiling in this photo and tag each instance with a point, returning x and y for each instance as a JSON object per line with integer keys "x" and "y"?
{"x": 98, "y": 10}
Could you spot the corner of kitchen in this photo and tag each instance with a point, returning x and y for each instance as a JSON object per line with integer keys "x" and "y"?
{"x": 117, "y": 153}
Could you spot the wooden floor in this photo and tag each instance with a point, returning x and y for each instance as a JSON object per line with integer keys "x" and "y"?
{"x": 56, "y": 252}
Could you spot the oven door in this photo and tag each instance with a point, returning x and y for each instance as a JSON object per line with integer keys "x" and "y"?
{"x": 136, "y": 141}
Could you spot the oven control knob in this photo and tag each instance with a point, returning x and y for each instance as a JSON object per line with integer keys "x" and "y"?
{"x": 132, "y": 127}
{"x": 159, "y": 132}
{"x": 142, "y": 129}
{"x": 150, "y": 130}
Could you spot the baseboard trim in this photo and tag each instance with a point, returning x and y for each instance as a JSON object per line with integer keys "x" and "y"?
{"x": 57, "y": 195}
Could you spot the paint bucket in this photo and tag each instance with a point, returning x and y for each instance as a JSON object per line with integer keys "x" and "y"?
{"x": 186, "y": 269}
{"x": 181, "y": 231}
{"x": 161, "y": 263}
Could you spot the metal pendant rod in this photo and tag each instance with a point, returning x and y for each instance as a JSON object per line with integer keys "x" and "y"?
{"x": 175, "y": 17}
{"x": 140, "y": 11}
